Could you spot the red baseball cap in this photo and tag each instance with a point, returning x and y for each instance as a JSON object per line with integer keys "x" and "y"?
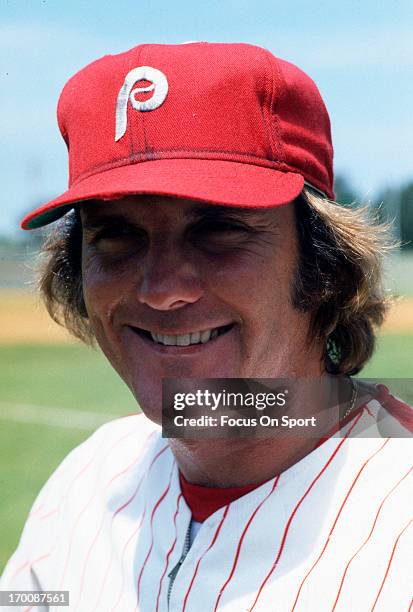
{"x": 224, "y": 123}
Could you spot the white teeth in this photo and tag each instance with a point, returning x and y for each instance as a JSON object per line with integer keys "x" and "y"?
{"x": 195, "y": 337}
{"x": 169, "y": 340}
{"x": 185, "y": 339}
{"x": 205, "y": 336}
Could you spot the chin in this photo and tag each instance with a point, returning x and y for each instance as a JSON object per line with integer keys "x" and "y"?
{"x": 149, "y": 401}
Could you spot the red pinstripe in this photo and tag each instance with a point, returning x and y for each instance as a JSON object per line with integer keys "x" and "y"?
{"x": 65, "y": 495}
{"x": 287, "y": 527}
{"x": 31, "y": 565}
{"x": 336, "y": 520}
{"x": 369, "y": 411}
{"x": 19, "y": 569}
{"x": 389, "y": 563}
{"x": 180, "y": 496}
{"x": 55, "y": 476}
{"x": 368, "y": 537}
{"x": 204, "y": 553}
{"x": 102, "y": 522}
{"x": 340, "y": 425}
{"x": 49, "y": 514}
{"x": 411, "y": 605}
{"x": 122, "y": 507}
{"x": 35, "y": 511}
{"x": 84, "y": 468}
{"x": 132, "y": 535}
{"x": 224, "y": 586}
{"x": 155, "y": 508}
{"x": 396, "y": 408}
{"x": 92, "y": 497}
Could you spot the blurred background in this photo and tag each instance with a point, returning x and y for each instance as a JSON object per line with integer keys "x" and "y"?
{"x": 53, "y": 391}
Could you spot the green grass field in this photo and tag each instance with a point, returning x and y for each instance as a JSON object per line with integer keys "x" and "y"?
{"x": 77, "y": 378}
{"x": 68, "y": 376}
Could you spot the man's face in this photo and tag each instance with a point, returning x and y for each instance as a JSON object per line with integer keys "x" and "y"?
{"x": 181, "y": 289}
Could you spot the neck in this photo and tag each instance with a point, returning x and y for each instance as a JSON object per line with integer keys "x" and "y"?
{"x": 244, "y": 461}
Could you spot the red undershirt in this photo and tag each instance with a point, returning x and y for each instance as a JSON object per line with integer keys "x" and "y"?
{"x": 204, "y": 501}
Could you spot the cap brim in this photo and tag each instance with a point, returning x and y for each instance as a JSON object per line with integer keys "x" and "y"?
{"x": 215, "y": 181}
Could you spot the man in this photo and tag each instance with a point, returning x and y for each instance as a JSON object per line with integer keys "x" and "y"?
{"x": 203, "y": 244}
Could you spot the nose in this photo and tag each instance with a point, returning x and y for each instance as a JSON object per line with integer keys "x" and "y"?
{"x": 169, "y": 280}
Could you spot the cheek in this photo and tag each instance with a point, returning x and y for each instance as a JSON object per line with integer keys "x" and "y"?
{"x": 259, "y": 290}
{"x": 102, "y": 298}
{"x": 238, "y": 273}
{"x": 258, "y": 286}
{"x": 103, "y": 292}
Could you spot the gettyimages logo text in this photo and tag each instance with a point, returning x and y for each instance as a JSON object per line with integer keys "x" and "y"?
{"x": 294, "y": 408}
{"x": 229, "y": 399}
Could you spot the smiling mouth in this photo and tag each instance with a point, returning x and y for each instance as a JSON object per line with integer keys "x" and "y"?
{"x": 198, "y": 337}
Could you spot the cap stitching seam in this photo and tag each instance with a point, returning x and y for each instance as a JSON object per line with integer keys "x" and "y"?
{"x": 137, "y": 158}
{"x": 143, "y": 114}
{"x": 267, "y": 111}
{"x": 130, "y": 130}
{"x": 274, "y": 102}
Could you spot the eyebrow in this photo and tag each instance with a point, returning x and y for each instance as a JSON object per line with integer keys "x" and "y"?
{"x": 95, "y": 220}
{"x": 91, "y": 222}
{"x": 218, "y": 210}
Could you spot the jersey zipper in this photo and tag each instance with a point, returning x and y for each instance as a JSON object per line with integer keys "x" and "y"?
{"x": 173, "y": 573}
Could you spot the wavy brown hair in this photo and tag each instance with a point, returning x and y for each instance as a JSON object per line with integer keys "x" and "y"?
{"x": 338, "y": 278}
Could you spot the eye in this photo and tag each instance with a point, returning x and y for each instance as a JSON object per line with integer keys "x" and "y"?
{"x": 216, "y": 236}
{"x": 118, "y": 240}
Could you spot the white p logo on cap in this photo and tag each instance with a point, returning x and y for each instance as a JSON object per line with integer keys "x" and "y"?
{"x": 159, "y": 86}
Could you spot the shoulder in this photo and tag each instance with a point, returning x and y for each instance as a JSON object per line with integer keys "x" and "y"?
{"x": 125, "y": 441}
{"x": 111, "y": 445}
{"x": 124, "y": 447}
{"x": 385, "y": 415}
{"x": 379, "y": 450}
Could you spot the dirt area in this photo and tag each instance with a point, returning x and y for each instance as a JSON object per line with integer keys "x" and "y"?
{"x": 400, "y": 318}
{"x": 23, "y": 319}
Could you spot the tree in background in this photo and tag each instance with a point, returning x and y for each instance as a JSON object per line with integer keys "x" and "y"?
{"x": 396, "y": 204}
{"x": 393, "y": 205}
{"x": 406, "y": 216}
{"x": 345, "y": 193}
{"x": 387, "y": 205}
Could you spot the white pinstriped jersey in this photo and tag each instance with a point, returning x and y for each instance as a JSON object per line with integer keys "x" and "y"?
{"x": 333, "y": 532}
